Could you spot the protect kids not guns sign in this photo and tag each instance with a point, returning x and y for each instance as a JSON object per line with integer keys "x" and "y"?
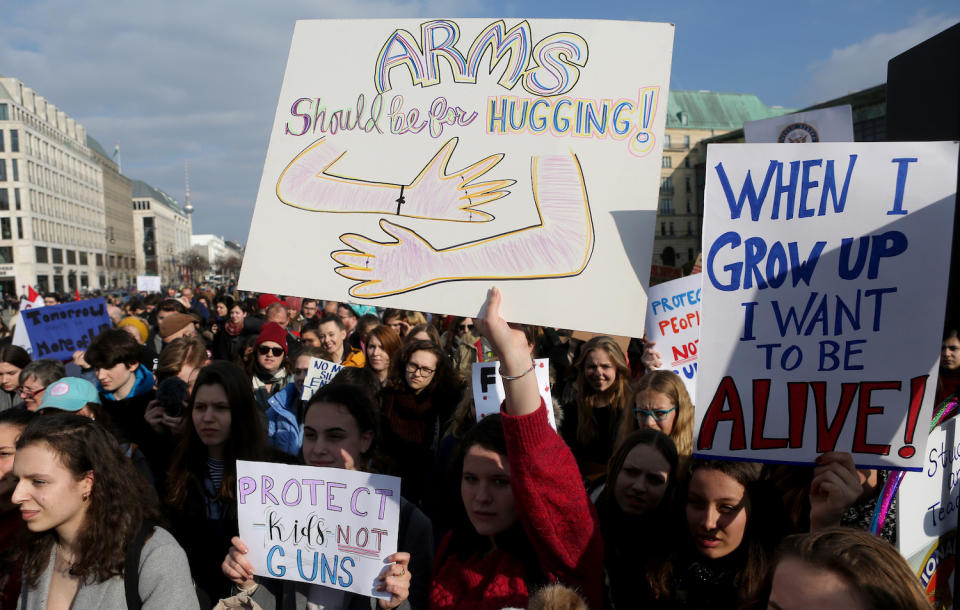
{"x": 824, "y": 286}
{"x": 324, "y": 526}
{"x": 673, "y": 323}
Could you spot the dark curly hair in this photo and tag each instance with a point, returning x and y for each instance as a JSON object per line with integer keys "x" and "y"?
{"x": 444, "y": 379}
{"x": 119, "y": 501}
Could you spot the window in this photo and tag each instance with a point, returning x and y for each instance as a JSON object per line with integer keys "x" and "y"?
{"x": 686, "y": 142}
{"x": 666, "y": 141}
{"x": 4, "y": 199}
{"x": 1, "y": 140}
{"x": 41, "y": 254}
{"x": 686, "y": 161}
{"x": 16, "y": 197}
{"x": 83, "y": 258}
{"x": 666, "y": 184}
{"x": 57, "y": 256}
{"x": 16, "y": 170}
{"x": 19, "y": 227}
{"x": 14, "y": 140}
{"x": 71, "y": 257}
{"x": 6, "y": 253}
{"x": 663, "y": 228}
{"x": 99, "y": 260}
{"x": 689, "y": 206}
{"x": 689, "y": 228}
{"x": 671, "y": 228}
{"x": 3, "y": 170}
{"x": 5, "y": 229}
{"x": 43, "y": 284}
{"x": 666, "y": 206}
{"x": 666, "y": 162}
{"x": 687, "y": 183}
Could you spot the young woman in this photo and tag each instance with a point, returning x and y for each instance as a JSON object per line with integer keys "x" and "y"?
{"x": 340, "y": 432}
{"x": 843, "y": 569}
{"x": 228, "y": 340}
{"x": 270, "y": 369}
{"x": 382, "y": 343}
{"x": 85, "y": 506}
{"x": 12, "y": 360}
{"x": 417, "y": 403}
{"x": 423, "y": 332}
{"x": 525, "y": 518}
{"x": 635, "y": 513}
{"x": 222, "y": 424}
{"x": 732, "y": 526}
{"x": 591, "y": 422}
{"x": 12, "y": 527}
{"x": 661, "y": 402}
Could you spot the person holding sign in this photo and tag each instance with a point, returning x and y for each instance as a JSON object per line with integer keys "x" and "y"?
{"x": 222, "y": 424}
{"x": 526, "y": 518}
{"x": 87, "y": 510}
{"x": 340, "y": 432}
{"x": 591, "y": 422}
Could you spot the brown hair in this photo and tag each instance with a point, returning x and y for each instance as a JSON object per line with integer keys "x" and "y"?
{"x": 430, "y": 329}
{"x": 389, "y": 339}
{"x": 177, "y": 353}
{"x": 587, "y": 398}
{"x": 669, "y": 384}
{"x": 444, "y": 379}
{"x": 866, "y": 562}
{"x": 119, "y": 500}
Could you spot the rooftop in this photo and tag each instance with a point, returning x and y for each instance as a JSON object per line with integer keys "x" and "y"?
{"x": 715, "y": 110}
{"x": 143, "y": 190}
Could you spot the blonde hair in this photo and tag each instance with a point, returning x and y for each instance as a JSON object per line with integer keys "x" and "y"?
{"x": 588, "y": 398}
{"x": 669, "y": 384}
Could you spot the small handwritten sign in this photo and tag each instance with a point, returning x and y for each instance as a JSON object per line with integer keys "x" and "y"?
{"x": 323, "y": 526}
{"x": 673, "y": 323}
{"x": 488, "y": 391}
{"x": 318, "y": 375}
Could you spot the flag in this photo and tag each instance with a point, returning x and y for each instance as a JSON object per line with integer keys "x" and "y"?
{"x": 76, "y": 294}
{"x": 31, "y": 294}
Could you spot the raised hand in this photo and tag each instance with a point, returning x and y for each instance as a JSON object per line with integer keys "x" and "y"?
{"x": 384, "y": 268}
{"x": 834, "y": 489}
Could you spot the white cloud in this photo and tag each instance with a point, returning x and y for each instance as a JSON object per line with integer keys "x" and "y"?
{"x": 864, "y": 64}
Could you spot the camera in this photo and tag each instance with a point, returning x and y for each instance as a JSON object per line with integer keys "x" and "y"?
{"x": 172, "y": 394}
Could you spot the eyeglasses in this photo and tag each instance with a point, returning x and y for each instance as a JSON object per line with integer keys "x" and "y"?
{"x": 28, "y": 393}
{"x": 263, "y": 350}
{"x": 465, "y": 327}
{"x": 657, "y": 414}
{"x": 413, "y": 369}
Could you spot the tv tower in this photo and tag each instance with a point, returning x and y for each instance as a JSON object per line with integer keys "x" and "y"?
{"x": 187, "y": 207}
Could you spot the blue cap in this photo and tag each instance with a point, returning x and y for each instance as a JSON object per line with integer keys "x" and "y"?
{"x": 69, "y": 394}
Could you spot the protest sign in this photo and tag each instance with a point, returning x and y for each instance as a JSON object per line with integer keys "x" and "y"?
{"x": 488, "y": 391}
{"x": 826, "y": 125}
{"x": 936, "y": 568}
{"x": 324, "y": 526}
{"x": 673, "y": 323}
{"x": 817, "y": 333}
{"x": 470, "y": 151}
{"x": 318, "y": 375}
{"x": 148, "y": 283}
{"x": 20, "y": 337}
{"x": 56, "y": 331}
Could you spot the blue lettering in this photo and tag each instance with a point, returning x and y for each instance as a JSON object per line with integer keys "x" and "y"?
{"x": 280, "y": 571}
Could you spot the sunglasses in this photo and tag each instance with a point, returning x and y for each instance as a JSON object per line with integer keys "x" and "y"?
{"x": 466, "y": 327}
{"x": 263, "y": 350}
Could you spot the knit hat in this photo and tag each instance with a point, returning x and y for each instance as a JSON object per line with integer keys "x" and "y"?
{"x": 272, "y": 331}
{"x": 137, "y": 323}
{"x": 175, "y": 322}
{"x": 362, "y": 310}
{"x": 69, "y": 394}
{"x": 265, "y": 300}
{"x": 294, "y": 303}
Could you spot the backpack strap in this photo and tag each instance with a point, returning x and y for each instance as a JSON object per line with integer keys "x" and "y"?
{"x": 131, "y": 566}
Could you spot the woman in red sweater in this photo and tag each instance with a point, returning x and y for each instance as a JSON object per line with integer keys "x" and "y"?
{"x": 526, "y": 519}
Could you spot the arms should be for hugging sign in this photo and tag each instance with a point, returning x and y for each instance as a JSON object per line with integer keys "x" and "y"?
{"x": 824, "y": 286}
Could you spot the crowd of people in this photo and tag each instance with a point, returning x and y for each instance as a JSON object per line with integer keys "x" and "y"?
{"x": 118, "y": 469}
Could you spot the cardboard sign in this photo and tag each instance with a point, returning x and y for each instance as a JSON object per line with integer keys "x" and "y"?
{"x": 488, "y": 391}
{"x": 928, "y": 501}
{"x": 673, "y": 323}
{"x": 56, "y": 331}
{"x": 430, "y": 159}
{"x": 318, "y": 375}
{"x": 827, "y": 125}
{"x": 148, "y": 283}
{"x": 817, "y": 332}
{"x": 323, "y": 526}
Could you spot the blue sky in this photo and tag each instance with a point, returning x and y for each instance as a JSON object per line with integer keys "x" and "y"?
{"x": 181, "y": 79}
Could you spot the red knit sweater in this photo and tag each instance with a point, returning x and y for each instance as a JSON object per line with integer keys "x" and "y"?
{"x": 556, "y": 514}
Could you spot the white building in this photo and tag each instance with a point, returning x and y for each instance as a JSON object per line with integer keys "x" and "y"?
{"x": 162, "y": 229}
{"x": 52, "y": 221}
{"x": 212, "y": 247}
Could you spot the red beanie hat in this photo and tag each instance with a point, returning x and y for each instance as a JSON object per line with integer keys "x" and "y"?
{"x": 265, "y": 300}
{"x": 272, "y": 331}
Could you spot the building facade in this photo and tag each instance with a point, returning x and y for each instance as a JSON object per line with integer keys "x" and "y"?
{"x": 692, "y": 117}
{"x": 120, "y": 265}
{"x": 211, "y": 247}
{"x": 52, "y": 219}
{"x": 162, "y": 230}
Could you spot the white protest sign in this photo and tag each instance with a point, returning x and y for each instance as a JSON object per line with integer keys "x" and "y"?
{"x": 823, "y": 299}
{"x": 488, "y": 391}
{"x": 324, "y": 526}
{"x": 826, "y": 125}
{"x": 673, "y": 323}
{"x": 318, "y": 375}
{"x": 148, "y": 283}
{"x": 417, "y": 153}
{"x": 927, "y": 502}
{"x": 20, "y": 336}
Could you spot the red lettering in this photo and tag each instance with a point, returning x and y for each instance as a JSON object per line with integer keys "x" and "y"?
{"x": 761, "y": 395}
{"x": 865, "y": 410}
{"x": 827, "y": 434}
{"x": 726, "y": 393}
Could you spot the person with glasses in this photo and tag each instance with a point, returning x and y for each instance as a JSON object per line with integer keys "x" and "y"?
{"x": 661, "y": 402}
{"x": 34, "y": 379}
{"x": 417, "y": 403}
{"x": 270, "y": 369}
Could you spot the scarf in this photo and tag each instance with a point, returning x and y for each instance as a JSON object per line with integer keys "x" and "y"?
{"x": 410, "y": 414}
{"x": 233, "y": 329}
{"x": 263, "y": 377}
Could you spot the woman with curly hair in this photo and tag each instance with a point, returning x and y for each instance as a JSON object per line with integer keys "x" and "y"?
{"x": 417, "y": 402}
{"x": 591, "y": 422}
{"x": 222, "y": 424}
{"x": 87, "y": 509}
